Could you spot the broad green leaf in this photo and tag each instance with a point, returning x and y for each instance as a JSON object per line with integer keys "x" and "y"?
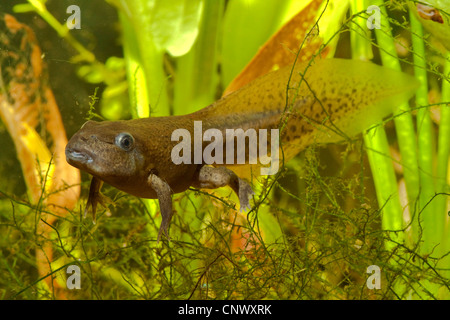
{"x": 280, "y": 50}
{"x": 144, "y": 60}
{"x": 187, "y": 28}
{"x": 247, "y": 25}
{"x": 174, "y": 24}
{"x": 150, "y": 29}
{"x": 195, "y": 84}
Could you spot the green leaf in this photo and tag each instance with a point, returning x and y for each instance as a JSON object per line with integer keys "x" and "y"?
{"x": 145, "y": 71}
{"x": 247, "y": 25}
{"x": 195, "y": 83}
{"x": 174, "y": 24}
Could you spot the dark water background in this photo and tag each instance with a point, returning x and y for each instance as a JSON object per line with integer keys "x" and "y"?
{"x": 99, "y": 33}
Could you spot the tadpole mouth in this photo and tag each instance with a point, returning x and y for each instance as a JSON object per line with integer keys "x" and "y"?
{"x": 74, "y": 156}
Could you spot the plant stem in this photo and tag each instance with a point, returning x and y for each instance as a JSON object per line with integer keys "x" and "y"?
{"x": 63, "y": 31}
{"x": 432, "y": 227}
{"x": 404, "y": 125}
{"x": 378, "y": 146}
{"x": 443, "y": 200}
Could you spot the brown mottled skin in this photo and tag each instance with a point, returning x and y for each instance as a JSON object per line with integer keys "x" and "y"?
{"x": 336, "y": 99}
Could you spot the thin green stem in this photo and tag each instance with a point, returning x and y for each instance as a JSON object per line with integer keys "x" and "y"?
{"x": 432, "y": 227}
{"x": 63, "y": 31}
{"x": 443, "y": 201}
{"x": 404, "y": 125}
{"x": 378, "y": 146}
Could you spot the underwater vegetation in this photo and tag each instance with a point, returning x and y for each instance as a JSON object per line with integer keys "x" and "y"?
{"x": 362, "y": 215}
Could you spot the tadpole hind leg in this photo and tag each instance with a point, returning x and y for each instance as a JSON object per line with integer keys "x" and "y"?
{"x": 212, "y": 178}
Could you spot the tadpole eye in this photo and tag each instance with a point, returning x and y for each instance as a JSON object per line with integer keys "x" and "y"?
{"x": 125, "y": 141}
